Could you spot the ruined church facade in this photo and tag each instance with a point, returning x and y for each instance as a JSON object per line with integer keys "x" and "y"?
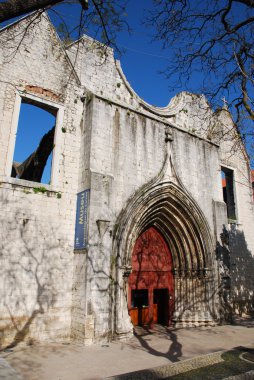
{"x": 134, "y": 226}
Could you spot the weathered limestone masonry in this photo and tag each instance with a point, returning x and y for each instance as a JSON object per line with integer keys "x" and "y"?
{"x": 37, "y": 222}
{"x": 145, "y": 167}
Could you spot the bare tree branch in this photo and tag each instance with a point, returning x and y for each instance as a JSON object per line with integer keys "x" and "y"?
{"x": 14, "y": 8}
{"x": 212, "y": 38}
{"x": 249, "y": 3}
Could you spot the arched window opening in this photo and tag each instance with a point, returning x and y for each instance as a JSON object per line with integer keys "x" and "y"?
{"x": 34, "y": 145}
{"x": 227, "y": 177}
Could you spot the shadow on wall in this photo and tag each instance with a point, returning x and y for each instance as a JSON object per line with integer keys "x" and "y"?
{"x": 236, "y": 268}
{"x": 30, "y": 269}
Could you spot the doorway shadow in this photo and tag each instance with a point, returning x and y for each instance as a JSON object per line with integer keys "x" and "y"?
{"x": 174, "y": 352}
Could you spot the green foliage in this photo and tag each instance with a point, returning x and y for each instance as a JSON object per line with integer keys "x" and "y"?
{"x": 40, "y": 189}
{"x": 43, "y": 190}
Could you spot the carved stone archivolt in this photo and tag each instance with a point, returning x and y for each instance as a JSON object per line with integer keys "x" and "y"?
{"x": 167, "y": 207}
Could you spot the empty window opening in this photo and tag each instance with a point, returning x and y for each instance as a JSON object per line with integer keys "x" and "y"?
{"x": 227, "y": 177}
{"x": 34, "y": 142}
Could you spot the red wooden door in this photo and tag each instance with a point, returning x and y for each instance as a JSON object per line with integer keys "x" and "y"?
{"x": 151, "y": 271}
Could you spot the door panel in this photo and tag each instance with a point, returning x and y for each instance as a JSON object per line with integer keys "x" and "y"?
{"x": 151, "y": 280}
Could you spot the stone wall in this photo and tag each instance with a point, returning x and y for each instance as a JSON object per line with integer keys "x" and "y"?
{"x": 239, "y": 257}
{"x": 129, "y": 148}
{"x": 37, "y": 220}
{"x": 126, "y": 152}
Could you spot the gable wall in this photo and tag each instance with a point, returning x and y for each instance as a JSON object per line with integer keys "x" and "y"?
{"x": 111, "y": 143}
{"x": 98, "y": 71}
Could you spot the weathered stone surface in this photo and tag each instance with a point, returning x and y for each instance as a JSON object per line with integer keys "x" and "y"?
{"x": 144, "y": 166}
{"x": 7, "y": 372}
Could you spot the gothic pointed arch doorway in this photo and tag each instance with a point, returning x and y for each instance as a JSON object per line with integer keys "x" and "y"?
{"x": 151, "y": 283}
{"x": 183, "y": 227}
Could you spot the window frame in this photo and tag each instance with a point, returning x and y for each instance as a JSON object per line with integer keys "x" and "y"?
{"x": 41, "y": 103}
{"x": 229, "y": 168}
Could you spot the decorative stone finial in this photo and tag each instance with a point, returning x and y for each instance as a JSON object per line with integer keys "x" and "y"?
{"x": 225, "y": 103}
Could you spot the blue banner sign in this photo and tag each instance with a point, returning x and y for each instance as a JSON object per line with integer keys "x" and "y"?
{"x": 81, "y": 229}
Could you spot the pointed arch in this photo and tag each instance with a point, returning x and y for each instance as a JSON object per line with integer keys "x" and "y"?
{"x": 178, "y": 218}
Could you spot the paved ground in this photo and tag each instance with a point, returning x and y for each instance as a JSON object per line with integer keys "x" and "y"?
{"x": 148, "y": 349}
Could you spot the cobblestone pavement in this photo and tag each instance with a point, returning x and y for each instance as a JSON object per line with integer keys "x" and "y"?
{"x": 245, "y": 376}
{"x": 173, "y": 369}
{"x": 205, "y": 367}
{"x": 159, "y": 353}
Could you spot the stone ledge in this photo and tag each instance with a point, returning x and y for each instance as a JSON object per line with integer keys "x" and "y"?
{"x": 22, "y": 184}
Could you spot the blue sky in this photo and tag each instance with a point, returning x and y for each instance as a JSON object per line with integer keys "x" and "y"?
{"x": 34, "y": 122}
{"x": 142, "y": 63}
{"x": 142, "y": 60}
